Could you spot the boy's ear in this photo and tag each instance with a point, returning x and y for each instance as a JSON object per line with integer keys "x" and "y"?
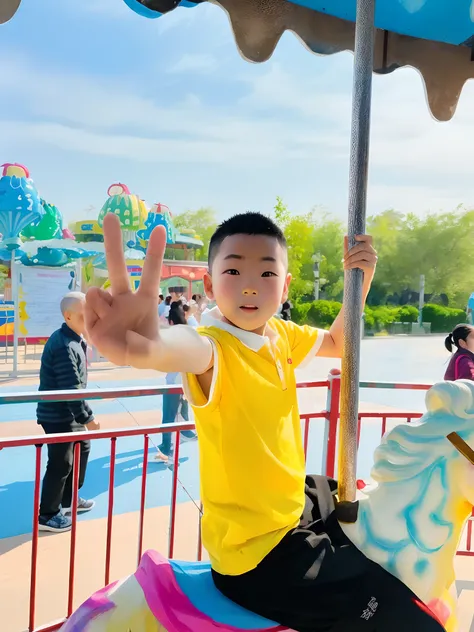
{"x": 286, "y": 287}
{"x": 207, "y": 281}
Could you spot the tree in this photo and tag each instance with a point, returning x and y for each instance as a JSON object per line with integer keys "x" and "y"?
{"x": 299, "y": 233}
{"x": 204, "y": 222}
{"x": 437, "y": 245}
{"x": 329, "y": 242}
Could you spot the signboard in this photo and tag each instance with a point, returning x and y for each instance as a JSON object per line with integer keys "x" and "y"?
{"x": 40, "y": 291}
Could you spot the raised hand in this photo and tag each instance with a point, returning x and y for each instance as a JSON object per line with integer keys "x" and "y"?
{"x": 122, "y": 324}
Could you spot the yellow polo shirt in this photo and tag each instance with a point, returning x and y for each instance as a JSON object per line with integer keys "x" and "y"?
{"x": 251, "y": 452}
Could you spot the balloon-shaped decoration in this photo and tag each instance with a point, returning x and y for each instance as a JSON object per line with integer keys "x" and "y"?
{"x": 20, "y": 204}
{"x": 127, "y": 208}
{"x": 160, "y": 215}
{"x": 50, "y": 226}
{"x": 143, "y": 214}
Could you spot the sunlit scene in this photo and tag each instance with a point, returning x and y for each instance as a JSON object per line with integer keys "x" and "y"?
{"x": 236, "y": 260}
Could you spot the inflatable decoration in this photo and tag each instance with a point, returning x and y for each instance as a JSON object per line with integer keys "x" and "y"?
{"x": 20, "y": 204}
{"x": 78, "y": 253}
{"x": 53, "y": 257}
{"x": 160, "y": 215}
{"x": 50, "y": 226}
{"x": 410, "y": 524}
{"x": 56, "y": 257}
{"x": 127, "y": 208}
{"x": 143, "y": 213}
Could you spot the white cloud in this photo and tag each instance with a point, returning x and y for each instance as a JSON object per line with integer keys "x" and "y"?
{"x": 197, "y": 63}
{"x": 70, "y": 109}
{"x": 283, "y": 118}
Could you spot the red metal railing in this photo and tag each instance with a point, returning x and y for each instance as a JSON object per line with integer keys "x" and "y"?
{"x": 330, "y": 416}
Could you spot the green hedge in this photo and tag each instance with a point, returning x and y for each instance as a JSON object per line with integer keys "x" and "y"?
{"x": 318, "y": 313}
{"x": 323, "y": 313}
{"x": 443, "y": 319}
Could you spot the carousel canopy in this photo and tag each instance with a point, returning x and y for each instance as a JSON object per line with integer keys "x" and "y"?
{"x": 434, "y": 36}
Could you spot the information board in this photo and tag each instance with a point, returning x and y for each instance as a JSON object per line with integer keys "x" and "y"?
{"x": 40, "y": 291}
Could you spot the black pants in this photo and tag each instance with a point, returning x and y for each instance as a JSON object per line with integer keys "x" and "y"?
{"x": 316, "y": 580}
{"x": 57, "y": 481}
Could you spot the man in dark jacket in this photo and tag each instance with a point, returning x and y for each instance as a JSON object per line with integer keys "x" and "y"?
{"x": 64, "y": 367}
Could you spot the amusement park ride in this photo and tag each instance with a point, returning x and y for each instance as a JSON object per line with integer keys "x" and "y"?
{"x": 33, "y": 236}
{"x": 424, "y": 472}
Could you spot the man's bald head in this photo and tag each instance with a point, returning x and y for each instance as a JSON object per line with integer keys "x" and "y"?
{"x": 72, "y": 309}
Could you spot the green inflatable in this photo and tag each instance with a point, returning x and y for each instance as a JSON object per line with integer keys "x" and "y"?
{"x": 50, "y": 227}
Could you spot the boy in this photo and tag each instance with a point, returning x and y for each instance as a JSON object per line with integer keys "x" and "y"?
{"x": 266, "y": 552}
{"x": 64, "y": 367}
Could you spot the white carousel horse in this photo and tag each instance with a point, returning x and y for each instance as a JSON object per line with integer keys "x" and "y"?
{"x": 412, "y": 520}
{"x": 410, "y": 524}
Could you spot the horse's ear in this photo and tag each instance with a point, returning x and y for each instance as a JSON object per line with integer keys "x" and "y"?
{"x": 453, "y": 398}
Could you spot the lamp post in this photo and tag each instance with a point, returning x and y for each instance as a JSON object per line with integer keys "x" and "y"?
{"x": 316, "y": 259}
{"x": 421, "y": 300}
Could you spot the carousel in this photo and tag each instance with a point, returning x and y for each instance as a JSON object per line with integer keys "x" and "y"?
{"x": 409, "y": 522}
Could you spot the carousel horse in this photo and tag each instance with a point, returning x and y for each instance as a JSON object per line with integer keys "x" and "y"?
{"x": 410, "y": 523}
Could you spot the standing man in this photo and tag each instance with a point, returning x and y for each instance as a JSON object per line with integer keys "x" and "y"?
{"x": 64, "y": 367}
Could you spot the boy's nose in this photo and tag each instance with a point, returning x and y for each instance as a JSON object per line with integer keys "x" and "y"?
{"x": 248, "y": 292}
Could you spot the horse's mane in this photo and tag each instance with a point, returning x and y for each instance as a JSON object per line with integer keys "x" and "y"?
{"x": 410, "y": 449}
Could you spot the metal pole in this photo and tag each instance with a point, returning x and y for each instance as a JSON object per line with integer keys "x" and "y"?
{"x": 421, "y": 300}
{"x": 358, "y": 176}
{"x": 16, "y": 312}
{"x": 316, "y": 280}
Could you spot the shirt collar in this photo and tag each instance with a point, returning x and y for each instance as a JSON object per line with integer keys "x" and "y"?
{"x": 67, "y": 331}
{"x": 255, "y": 342}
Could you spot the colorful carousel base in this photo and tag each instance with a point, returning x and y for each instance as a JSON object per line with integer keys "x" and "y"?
{"x": 165, "y": 596}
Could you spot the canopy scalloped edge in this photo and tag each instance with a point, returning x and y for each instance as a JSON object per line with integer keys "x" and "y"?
{"x": 259, "y": 24}
{"x": 8, "y": 8}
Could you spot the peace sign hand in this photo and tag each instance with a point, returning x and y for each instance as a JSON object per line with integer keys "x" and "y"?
{"x": 123, "y": 325}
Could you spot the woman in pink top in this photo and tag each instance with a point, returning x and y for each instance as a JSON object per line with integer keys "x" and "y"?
{"x": 461, "y": 342}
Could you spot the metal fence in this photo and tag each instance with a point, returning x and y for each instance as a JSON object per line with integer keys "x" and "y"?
{"x": 329, "y": 416}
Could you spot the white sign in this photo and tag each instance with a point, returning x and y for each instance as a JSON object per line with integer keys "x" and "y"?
{"x": 40, "y": 291}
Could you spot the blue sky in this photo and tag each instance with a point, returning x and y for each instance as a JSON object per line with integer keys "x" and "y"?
{"x": 93, "y": 94}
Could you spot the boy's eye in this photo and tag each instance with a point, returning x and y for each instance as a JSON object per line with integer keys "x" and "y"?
{"x": 232, "y": 271}
{"x": 268, "y": 273}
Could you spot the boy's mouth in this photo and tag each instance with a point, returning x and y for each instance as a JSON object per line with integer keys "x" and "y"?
{"x": 248, "y": 308}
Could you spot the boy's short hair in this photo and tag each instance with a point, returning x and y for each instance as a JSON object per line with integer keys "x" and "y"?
{"x": 244, "y": 224}
{"x": 70, "y": 301}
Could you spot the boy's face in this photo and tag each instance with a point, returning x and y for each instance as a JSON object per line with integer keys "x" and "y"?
{"x": 249, "y": 280}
